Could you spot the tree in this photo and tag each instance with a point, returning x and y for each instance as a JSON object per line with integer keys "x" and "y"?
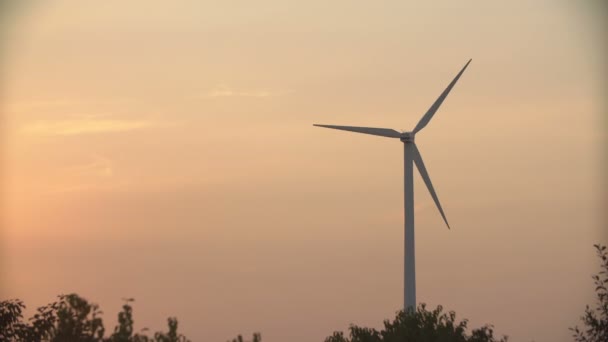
{"x": 595, "y": 321}
{"x": 11, "y": 316}
{"x": 73, "y": 319}
{"x": 257, "y": 337}
{"x": 420, "y": 325}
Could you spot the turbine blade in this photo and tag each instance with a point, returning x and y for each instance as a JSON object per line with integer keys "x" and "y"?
{"x": 383, "y": 132}
{"x": 429, "y": 114}
{"x": 427, "y": 181}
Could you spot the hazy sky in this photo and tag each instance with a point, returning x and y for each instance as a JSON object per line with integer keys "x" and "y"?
{"x": 164, "y": 150}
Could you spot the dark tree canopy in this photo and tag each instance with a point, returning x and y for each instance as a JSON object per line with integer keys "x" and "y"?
{"x": 595, "y": 321}
{"x": 420, "y": 326}
{"x": 73, "y": 319}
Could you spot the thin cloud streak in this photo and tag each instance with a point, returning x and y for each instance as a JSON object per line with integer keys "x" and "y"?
{"x": 83, "y": 126}
{"x": 100, "y": 166}
{"x": 224, "y": 91}
{"x": 63, "y": 103}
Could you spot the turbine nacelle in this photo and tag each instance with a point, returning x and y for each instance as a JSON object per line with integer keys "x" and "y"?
{"x": 407, "y": 137}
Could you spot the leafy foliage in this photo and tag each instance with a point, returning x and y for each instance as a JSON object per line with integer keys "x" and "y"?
{"x": 73, "y": 319}
{"x": 11, "y": 316}
{"x": 596, "y": 320}
{"x": 257, "y": 337}
{"x": 419, "y": 325}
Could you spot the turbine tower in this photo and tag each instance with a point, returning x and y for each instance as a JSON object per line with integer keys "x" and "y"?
{"x": 411, "y": 156}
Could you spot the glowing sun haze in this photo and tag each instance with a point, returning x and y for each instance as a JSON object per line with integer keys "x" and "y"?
{"x": 165, "y": 151}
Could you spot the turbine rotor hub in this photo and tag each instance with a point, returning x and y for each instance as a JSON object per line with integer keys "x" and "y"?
{"x": 407, "y": 137}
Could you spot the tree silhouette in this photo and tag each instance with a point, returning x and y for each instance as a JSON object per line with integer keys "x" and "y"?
{"x": 73, "y": 319}
{"x": 420, "y": 325}
{"x": 11, "y": 316}
{"x": 595, "y": 320}
{"x": 257, "y": 337}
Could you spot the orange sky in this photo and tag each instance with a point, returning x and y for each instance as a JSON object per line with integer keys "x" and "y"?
{"x": 165, "y": 151}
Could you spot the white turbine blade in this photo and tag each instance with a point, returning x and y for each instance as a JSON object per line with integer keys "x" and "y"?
{"x": 383, "y": 132}
{"x": 429, "y": 114}
{"x": 427, "y": 180}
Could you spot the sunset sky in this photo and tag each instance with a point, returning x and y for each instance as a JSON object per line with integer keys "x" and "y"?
{"x": 164, "y": 150}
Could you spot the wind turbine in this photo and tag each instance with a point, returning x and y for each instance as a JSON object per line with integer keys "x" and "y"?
{"x": 411, "y": 155}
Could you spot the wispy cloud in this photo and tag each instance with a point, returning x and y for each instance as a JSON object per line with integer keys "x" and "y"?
{"x": 42, "y": 104}
{"x": 19, "y": 106}
{"x": 98, "y": 165}
{"x": 96, "y": 174}
{"x": 225, "y": 91}
{"x": 88, "y": 125}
